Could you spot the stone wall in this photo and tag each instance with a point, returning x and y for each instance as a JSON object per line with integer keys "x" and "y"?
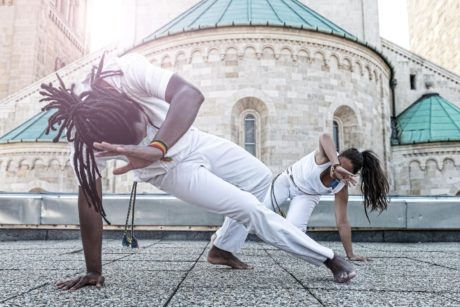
{"x": 427, "y": 169}
{"x": 407, "y": 63}
{"x": 35, "y": 41}
{"x": 297, "y": 82}
{"x": 434, "y": 31}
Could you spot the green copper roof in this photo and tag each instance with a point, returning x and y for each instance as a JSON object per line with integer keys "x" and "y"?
{"x": 430, "y": 119}
{"x": 33, "y": 130}
{"x": 220, "y": 13}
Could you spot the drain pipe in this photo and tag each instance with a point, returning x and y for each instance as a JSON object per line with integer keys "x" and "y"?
{"x": 394, "y": 128}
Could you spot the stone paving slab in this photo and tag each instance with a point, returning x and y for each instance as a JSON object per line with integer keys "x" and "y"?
{"x": 151, "y": 265}
{"x": 186, "y": 297}
{"x": 379, "y": 298}
{"x": 175, "y": 273}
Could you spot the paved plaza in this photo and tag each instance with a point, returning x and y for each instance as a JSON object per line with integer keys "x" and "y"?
{"x": 175, "y": 273}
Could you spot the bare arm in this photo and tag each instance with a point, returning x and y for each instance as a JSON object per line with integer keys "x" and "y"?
{"x": 341, "y": 220}
{"x": 185, "y": 101}
{"x": 91, "y": 231}
{"x": 91, "y": 234}
{"x": 326, "y": 150}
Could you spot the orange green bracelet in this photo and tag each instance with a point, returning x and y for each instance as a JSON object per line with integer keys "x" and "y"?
{"x": 162, "y": 147}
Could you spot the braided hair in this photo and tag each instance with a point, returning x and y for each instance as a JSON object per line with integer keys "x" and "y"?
{"x": 374, "y": 184}
{"x": 101, "y": 114}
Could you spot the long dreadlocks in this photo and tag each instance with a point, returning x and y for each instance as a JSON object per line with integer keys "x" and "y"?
{"x": 101, "y": 114}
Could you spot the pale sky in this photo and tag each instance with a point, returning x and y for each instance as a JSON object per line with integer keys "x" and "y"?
{"x": 393, "y": 21}
{"x": 104, "y": 23}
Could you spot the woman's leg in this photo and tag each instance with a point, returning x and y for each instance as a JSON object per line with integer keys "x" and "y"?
{"x": 300, "y": 210}
{"x": 232, "y": 235}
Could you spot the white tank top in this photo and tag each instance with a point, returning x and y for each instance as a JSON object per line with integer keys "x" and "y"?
{"x": 307, "y": 176}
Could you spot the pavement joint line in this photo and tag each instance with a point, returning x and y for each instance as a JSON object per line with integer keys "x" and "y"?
{"x": 25, "y": 292}
{"x": 72, "y": 252}
{"x": 185, "y": 276}
{"x": 296, "y": 279}
{"x": 434, "y": 264}
{"x": 385, "y": 291}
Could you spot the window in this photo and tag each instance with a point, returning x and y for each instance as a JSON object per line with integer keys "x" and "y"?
{"x": 413, "y": 82}
{"x": 335, "y": 135}
{"x": 250, "y": 134}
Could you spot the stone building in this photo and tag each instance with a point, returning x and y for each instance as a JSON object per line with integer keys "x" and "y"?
{"x": 275, "y": 76}
{"x": 37, "y": 38}
{"x": 434, "y": 31}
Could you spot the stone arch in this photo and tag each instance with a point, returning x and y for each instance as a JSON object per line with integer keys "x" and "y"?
{"x": 416, "y": 165}
{"x": 448, "y": 162}
{"x": 346, "y": 64}
{"x": 213, "y": 55}
{"x": 166, "y": 61}
{"x": 334, "y": 61}
{"x": 23, "y": 164}
{"x": 258, "y": 108}
{"x": 37, "y": 190}
{"x": 320, "y": 57}
{"x": 287, "y": 53}
{"x": 196, "y": 56}
{"x": 268, "y": 52}
{"x": 38, "y": 163}
{"x": 180, "y": 58}
{"x": 431, "y": 165}
{"x": 345, "y": 116}
{"x": 231, "y": 53}
{"x": 303, "y": 55}
{"x": 250, "y": 51}
{"x": 54, "y": 164}
{"x": 376, "y": 75}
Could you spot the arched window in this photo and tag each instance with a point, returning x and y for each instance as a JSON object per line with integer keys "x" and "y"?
{"x": 250, "y": 133}
{"x": 336, "y": 134}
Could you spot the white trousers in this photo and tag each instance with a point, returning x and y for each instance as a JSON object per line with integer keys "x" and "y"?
{"x": 231, "y": 236}
{"x": 223, "y": 178}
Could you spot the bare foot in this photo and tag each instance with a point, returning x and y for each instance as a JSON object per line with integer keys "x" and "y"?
{"x": 341, "y": 269}
{"x": 219, "y": 256}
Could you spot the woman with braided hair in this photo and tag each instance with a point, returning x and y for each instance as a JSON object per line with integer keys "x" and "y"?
{"x": 321, "y": 172}
{"x": 131, "y": 108}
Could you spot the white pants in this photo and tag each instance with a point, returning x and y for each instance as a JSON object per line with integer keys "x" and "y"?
{"x": 223, "y": 178}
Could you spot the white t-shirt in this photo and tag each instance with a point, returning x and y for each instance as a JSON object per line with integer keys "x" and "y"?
{"x": 146, "y": 84}
{"x": 307, "y": 174}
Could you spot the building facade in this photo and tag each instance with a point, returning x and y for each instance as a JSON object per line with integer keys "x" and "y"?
{"x": 274, "y": 80}
{"x": 434, "y": 31}
{"x": 38, "y": 38}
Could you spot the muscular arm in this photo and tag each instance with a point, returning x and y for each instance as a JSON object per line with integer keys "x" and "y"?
{"x": 91, "y": 234}
{"x": 91, "y": 231}
{"x": 185, "y": 101}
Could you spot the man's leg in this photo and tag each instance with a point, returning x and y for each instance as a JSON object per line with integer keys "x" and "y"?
{"x": 193, "y": 183}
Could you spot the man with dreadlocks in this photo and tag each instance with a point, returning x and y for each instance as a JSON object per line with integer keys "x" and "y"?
{"x": 132, "y": 108}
